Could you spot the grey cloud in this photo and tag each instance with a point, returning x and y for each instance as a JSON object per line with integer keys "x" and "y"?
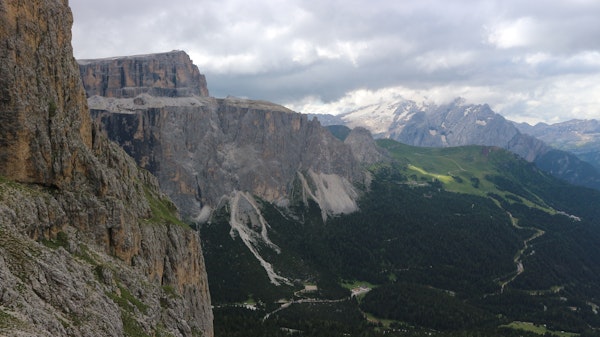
{"x": 286, "y": 51}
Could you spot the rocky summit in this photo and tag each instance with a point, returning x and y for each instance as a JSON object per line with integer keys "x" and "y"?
{"x": 89, "y": 246}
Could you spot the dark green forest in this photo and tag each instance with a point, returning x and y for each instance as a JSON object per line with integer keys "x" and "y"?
{"x": 438, "y": 262}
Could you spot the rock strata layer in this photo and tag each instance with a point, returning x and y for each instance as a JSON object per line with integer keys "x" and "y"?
{"x": 89, "y": 246}
{"x": 204, "y": 149}
{"x": 169, "y": 74}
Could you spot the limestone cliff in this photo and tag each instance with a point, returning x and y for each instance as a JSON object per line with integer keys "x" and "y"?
{"x": 169, "y": 74}
{"x": 89, "y": 246}
{"x": 363, "y": 146}
{"x": 43, "y": 122}
{"x": 203, "y": 149}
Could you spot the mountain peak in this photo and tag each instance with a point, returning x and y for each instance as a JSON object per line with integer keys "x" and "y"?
{"x": 459, "y": 123}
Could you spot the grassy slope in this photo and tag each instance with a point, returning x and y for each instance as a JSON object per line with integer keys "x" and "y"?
{"x": 463, "y": 169}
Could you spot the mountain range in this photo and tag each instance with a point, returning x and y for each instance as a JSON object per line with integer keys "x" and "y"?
{"x": 296, "y": 229}
{"x": 580, "y": 137}
{"x": 458, "y": 123}
{"x": 292, "y": 214}
{"x": 205, "y": 149}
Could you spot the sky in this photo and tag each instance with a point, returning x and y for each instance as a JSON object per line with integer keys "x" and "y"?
{"x": 530, "y": 60}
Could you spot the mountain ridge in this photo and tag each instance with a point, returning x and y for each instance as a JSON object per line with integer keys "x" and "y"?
{"x": 580, "y": 137}
{"x": 209, "y": 152}
{"x": 290, "y": 215}
{"x": 458, "y": 123}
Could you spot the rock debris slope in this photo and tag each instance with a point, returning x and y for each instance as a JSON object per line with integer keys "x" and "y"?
{"x": 88, "y": 244}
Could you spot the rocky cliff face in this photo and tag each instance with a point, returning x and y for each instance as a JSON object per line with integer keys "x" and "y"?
{"x": 363, "y": 146}
{"x": 89, "y": 246}
{"x": 169, "y": 74}
{"x": 43, "y": 122}
{"x": 203, "y": 149}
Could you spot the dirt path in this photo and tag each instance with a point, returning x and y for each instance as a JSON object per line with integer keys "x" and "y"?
{"x": 304, "y": 300}
{"x": 517, "y": 259}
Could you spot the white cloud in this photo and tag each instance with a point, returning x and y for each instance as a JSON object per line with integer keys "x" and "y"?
{"x": 510, "y": 34}
{"x": 536, "y": 59}
{"x": 443, "y": 60}
{"x": 244, "y": 63}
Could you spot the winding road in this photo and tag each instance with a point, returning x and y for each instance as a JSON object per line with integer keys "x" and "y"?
{"x": 517, "y": 259}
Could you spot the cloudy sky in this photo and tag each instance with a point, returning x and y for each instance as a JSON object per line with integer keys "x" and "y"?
{"x": 531, "y": 60}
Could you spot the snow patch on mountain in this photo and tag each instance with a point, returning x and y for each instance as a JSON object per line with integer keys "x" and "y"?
{"x": 375, "y": 117}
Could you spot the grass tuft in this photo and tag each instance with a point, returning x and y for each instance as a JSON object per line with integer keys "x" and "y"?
{"x": 163, "y": 210}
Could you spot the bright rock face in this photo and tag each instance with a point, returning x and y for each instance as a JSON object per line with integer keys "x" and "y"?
{"x": 89, "y": 246}
{"x": 43, "y": 122}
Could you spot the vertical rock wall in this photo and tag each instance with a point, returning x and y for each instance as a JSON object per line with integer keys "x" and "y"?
{"x": 115, "y": 258}
{"x": 202, "y": 149}
{"x": 43, "y": 119}
{"x": 169, "y": 74}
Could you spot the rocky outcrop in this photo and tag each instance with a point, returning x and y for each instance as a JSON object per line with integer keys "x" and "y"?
{"x": 43, "y": 123}
{"x": 169, "y": 74}
{"x": 363, "y": 146}
{"x": 89, "y": 246}
{"x": 203, "y": 149}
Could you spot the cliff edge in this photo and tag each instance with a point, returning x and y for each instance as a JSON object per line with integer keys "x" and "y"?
{"x": 231, "y": 153}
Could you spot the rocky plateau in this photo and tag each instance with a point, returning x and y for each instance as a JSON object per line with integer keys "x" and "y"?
{"x": 205, "y": 149}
